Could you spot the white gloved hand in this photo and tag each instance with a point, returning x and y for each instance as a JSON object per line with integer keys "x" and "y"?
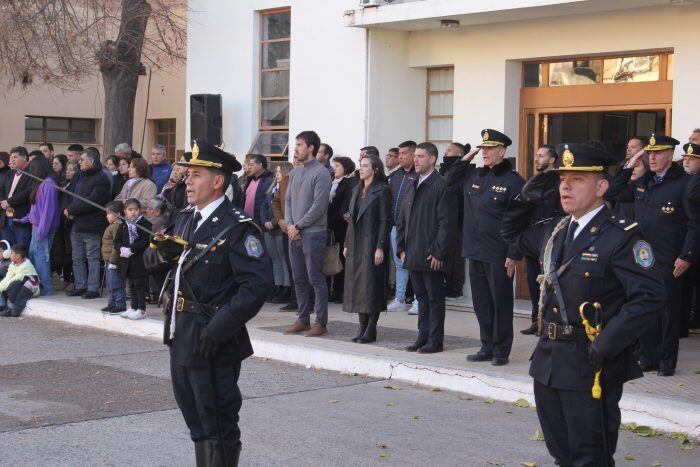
{"x": 125, "y": 252}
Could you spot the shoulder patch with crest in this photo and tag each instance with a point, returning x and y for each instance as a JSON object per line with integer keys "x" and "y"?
{"x": 253, "y": 246}
{"x": 643, "y": 255}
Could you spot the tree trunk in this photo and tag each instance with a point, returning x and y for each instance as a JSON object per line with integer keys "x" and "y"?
{"x": 120, "y": 65}
{"x": 120, "y": 96}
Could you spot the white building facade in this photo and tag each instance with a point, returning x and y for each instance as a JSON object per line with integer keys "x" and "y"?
{"x": 442, "y": 70}
{"x": 386, "y": 71}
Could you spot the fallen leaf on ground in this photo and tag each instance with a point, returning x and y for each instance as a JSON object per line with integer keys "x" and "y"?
{"x": 509, "y": 411}
{"x": 644, "y": 431}
{"x": 537, "y": 436}
{"x": 436, "y": 390}
{"x": 629, "y": 457}
{"x": 393, "y": 388}
{"x": 333, "y": 401}
{"x": 384, "y": 455}
{"x": 465, "y": 398}
{"x": 522, "y": 403}
{"x": 528, "y": 464}
{"x": 416, "y": 417}
{"x": 680, "y": 385}
{"x": 488, "y": 400}
{"x": 382, "y": 446}
{"x": 495, "y": 462}
{"x": 656, "y": 464}
{"x": 687, "y": 447}
{"x": 389, "y": 404}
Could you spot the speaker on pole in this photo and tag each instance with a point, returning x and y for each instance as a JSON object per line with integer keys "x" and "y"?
{"x": 205, "y": 117}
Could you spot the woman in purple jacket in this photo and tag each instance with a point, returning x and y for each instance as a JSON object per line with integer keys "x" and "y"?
{"x": 44, "y": 215}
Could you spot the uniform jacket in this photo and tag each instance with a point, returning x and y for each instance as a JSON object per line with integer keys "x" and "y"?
{"x": 340, "y": 205}
{"x": 366, "y": 285}
{"x": 487, "y": 194}
{"x": 236, "y": 276}
{"x": 607, "y": 267}
{"x": 693, "y": 195}
{"x": 133, "y": 265}
{"x": 427, "y": 224}
{"x": 661, "y": 210}
{"x": 95, "y": 187}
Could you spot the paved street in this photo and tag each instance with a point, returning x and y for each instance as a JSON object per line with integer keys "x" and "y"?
{"x": 75, "y": 396}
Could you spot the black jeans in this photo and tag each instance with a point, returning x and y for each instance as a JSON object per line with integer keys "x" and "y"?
{"x": 492, "y": 294}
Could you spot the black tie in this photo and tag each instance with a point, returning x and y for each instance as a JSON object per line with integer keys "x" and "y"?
{"x": 193, "y": 226}
{"x": 570, "y": 237}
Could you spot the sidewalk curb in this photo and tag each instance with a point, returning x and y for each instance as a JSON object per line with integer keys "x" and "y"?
{"x": 659, "y": 413}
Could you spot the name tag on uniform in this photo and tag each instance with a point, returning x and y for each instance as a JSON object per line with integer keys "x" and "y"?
{"x": 640, "y": 189}
{"x": 475, "y": 186}
{"x": 590, "y": 257}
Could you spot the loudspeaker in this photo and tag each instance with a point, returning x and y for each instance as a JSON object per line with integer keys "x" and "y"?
{"x": 205, "y": 118}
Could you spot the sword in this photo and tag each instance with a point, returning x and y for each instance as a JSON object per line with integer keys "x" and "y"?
{"x": 157, "y": 236}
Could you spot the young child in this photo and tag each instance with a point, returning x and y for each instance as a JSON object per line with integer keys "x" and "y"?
{"x": 4, "y": 258}
{"x": 116, "y": 300}
{"x": 20, "y": 284}
{"x": 131, "y": 242}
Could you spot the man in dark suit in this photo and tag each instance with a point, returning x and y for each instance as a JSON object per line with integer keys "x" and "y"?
{"x": 426, "y": 226}
{"x": 591, "y": 261}
{"x": 14, "y": 199}
{"x": 220, "y": 283}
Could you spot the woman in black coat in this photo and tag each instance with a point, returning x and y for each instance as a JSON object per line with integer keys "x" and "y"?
{"x": 367, "y": 238}
{"x": 341, "y": 192}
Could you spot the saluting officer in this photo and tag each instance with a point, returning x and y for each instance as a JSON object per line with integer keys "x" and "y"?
{"x": 588, "y": 256}
{"x": 220, "y": 282}
{"x": 660, "y": 207}
{"x": 487, "y": 192}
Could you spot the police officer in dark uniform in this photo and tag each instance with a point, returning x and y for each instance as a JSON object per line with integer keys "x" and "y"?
{"x": 587, "y": 256}
{"x": 220, "y": 282}
{"x": 487, "y": 192}
{"x": 661, "y": 206}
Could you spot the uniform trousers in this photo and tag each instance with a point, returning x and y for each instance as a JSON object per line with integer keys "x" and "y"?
{"x": 195, "y": 399}
{"x": 571, "y": 425}
{"x": 533, "y": 270}
{"x": 430, "y": 293}
{"x": 492, "y": 295}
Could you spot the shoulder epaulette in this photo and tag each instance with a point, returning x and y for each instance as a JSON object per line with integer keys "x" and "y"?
{"x": 623, "y": 224}
{"x": 242, "y": 217}
{"x": 189, "y": 208}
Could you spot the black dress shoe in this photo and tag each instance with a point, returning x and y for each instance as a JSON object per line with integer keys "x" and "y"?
{"x": 648, "y": 367}
{"x": 530, "y": 331}
{"x": 479, "y": 357}
{"x": 89, "y": 294}
{"x": 664, "y": 372}
{"x": 76, "y": 293}
{"x": 289, "y": 307}
{"x": 5, "y": 313}
{"x": 499, "y": 361}
{"x": 108, "y": 308}
{"x": 434, "y": 348}
{"x": 415, "y": 346}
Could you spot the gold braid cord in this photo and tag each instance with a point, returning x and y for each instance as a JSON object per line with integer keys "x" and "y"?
{"x": 547, "y": 270}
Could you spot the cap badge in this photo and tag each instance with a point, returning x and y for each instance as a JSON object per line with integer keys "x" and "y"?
{"x": 652, "y": 140}
{"x": 195, "y": 151}
{"x": 568, "y": 157}
{"x": 690, "y": 149}
{"x": 485, "y": 135}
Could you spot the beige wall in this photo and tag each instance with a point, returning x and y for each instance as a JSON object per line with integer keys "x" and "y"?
{"x": 167, "y": 100}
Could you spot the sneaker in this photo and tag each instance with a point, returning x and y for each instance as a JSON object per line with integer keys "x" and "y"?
{"x": 396, "y": 305}
{"x": 117, "y": 311}
{"x": 138, "y": 314}
{"x": 126, "y": 313}
{"x": 414, "y": 308}
{"x": 90, "y": 295}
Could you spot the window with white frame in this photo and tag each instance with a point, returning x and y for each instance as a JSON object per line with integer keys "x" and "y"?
{"x": 439, "y": 107}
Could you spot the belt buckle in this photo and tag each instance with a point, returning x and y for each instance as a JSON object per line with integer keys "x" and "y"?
{"x": 180, "y": 304}
{"x": 552, "y": 331}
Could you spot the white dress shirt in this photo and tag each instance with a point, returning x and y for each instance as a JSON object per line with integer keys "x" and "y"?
{"x": 585, "y": 219}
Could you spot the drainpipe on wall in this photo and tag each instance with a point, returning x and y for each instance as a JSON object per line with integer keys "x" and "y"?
{"x": 367, "y": 86}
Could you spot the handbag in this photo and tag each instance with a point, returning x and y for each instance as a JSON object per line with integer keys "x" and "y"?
{"x": 331, "y": 262}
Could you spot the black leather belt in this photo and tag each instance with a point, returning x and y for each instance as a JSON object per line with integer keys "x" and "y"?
{"x": 559, "y": 332}
{"x": 190, "y": 306}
